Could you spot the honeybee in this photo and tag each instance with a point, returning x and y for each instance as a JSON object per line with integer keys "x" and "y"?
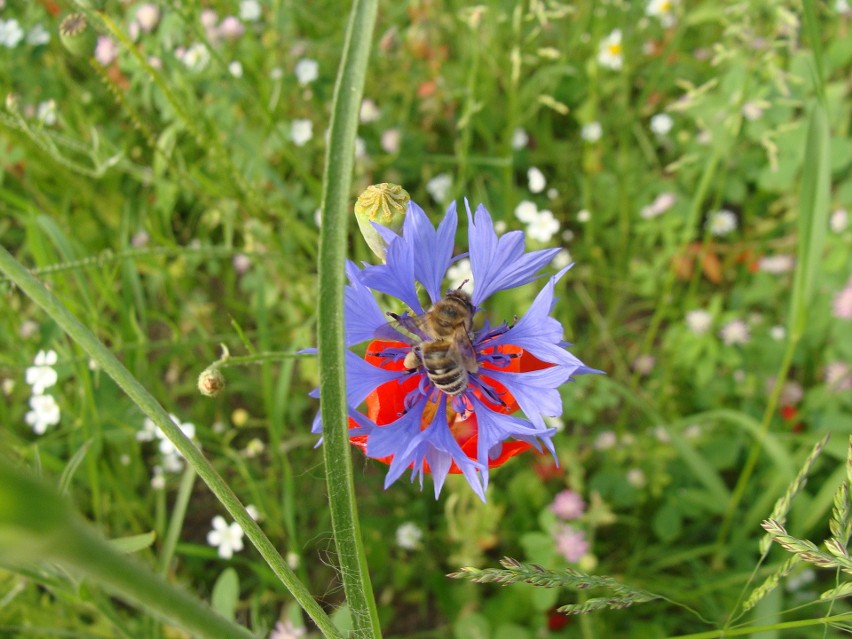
{"x": 446, "y": 352}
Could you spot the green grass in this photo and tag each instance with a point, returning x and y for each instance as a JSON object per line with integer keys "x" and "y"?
{"x": 168, "y": 210}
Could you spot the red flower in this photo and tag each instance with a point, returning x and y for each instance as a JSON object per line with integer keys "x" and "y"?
{"x": 386, "y": 403}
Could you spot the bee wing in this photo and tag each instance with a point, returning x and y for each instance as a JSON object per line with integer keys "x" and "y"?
{"x": 411, "y": 327}
{"x": 465, "y": 348}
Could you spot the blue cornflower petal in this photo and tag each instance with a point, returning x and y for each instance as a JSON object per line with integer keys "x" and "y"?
{"x": 495, "y": 428}
{"x": 396, "y": 276}
{"x": 362, "y": 378}
{"x": 500, "y": 263}
{"x": 362, "y": 314}
{"x": 535, "y": 391}
{"x": 433, "y": 250}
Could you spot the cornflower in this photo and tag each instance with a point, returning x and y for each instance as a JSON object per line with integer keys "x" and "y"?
{"x": 410, "y": 422}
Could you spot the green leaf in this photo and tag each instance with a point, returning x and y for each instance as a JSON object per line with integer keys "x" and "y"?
{"x": 226, "y": 593}
{"x": 133, "y": 543}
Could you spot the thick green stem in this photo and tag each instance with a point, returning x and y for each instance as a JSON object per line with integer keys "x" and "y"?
{"x": 146, "y": 402}
{"x": 337, "y": 183}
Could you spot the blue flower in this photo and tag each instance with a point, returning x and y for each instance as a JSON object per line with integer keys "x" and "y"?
{"x": 409, "y": 422}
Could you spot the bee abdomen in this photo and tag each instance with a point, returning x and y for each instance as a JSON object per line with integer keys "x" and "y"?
{"x": 452, "y": 381}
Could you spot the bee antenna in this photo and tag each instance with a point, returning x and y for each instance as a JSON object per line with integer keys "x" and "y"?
{"x": 459, "y": 287}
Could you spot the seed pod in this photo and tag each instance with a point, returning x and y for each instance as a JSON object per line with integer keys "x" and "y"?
{"x": 211, "y": 382}
{"x": 384, "y": 204}
{"x": 77, "y": 35}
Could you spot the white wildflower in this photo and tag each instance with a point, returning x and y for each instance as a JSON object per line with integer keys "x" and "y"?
{"x": 250, "y": 10}
{"x": 526, "y": 211}
{"x": 408, "y": 536}
{"x": 439, "y": 187}
{"x": 236, "y": 69}
{"x": 610, "y": 53}
{"x": 307, "y": 70}
{"x": 699, "y": 321}
{"x": 663, "y": 10}
{"x": 543, "y": 227}
{"x": 839, "y": 220}
{"x": 390, "y": 141}
{"x": 227, "y": 539}
{"x": 301, "y": 131}
{"x": 196, "y": 57}
{"x": 722, "y": 222}
{"x": 44, "y": 412}
{"x": 459, "y": 273}
{"x": 735, "y": 332}
{"x": 10, "y": 33}
{"x": 369, "y": 111}
{"x": 777, "y": 264}
{"x": 591, "y": 132}
{"x": 583, "y": 216}
{"x": 46, "y": 112}
{"x": 661, "y": 124}
{"x": 38, "y": 36}
{"x": 41, "y": 374}
{"x": 520, "y": 139}
{"x": 536, "y": 180}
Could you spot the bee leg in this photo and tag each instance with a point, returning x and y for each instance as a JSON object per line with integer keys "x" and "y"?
{"x": 412, "y": 360}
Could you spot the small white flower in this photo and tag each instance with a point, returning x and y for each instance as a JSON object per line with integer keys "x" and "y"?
{"x": 722, "y": 222}
{"x": 662, "y": 435}
{"x": 360, "y": 148}
{"x": 28, "y": 329}
{"x": 605, "y": 440}
{"x": 250, "y": 10}
{"x": 520, "y": 139}
{"x": 227, "y": 539}
{"x": 536, "y": 180}
{"x": 318, "y": 217}
{"x": 663, "y": 10}
{"x": 41, "y": 374}
{"x": 208, "y": 20}
{"x": 659, "y": 206}
{"x": 307, "y": 70}
{"x": 148, "y": 15}
{"x": 752, "y": 110}
{"x": 562, "y": 259}
{"x": 391, "y": 140}
{"x": 242, "y": 263}
{"x": 46, "y": 112}
{"x": 778, "y": 333}
{"x": 236, "y": 69}
{"x": 369, "y": 111}
{"x": 293, "y": 560}
{"x": 10, "y": 33}
{"x": 777, "y": 264}
{"x": 253, "y": 512}
{"x": 583, "y": 216}
{"x": 408, "y": 536}
{"x": 439, "y": 187}
{"x": 8, "y": 386}
{"x": 158, "y": 478}
{"x": 254, "y": 448}
{"x": 460, "y": 272}
{"x": 301, "y": 131}
{"x": 38, "y": 36}
{"x": 735, "y": 332}
{"x": 610, "y": 54}
{"x": 500, "y": 227}
{"x": 196, "y": 57}
{"x": 166, "y": 446}
{"x": 543, "y": 227}
{"x": 44, "y": 413}
{"x": 552, "y": 193}
{"x": 699, "y": 321}
{"x": 839, "y": 220}
{"x": 276, "y": 73}
{"x": 636, "y": 478}
{"x": 661, "y": 124}
{"x": 526, "y": 211}
{"x": 591, "y": 132}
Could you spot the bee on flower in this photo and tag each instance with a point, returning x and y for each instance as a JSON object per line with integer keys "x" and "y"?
{"x": 441, "y": 395}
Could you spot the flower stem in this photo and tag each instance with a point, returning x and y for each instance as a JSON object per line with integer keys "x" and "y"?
{"x": 146, "y": 402}
{"x": 337, "y": 182}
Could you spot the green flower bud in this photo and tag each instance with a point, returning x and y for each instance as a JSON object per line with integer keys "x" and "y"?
{"x": 76, "y": 34}
{"x": 384, "y": 204}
